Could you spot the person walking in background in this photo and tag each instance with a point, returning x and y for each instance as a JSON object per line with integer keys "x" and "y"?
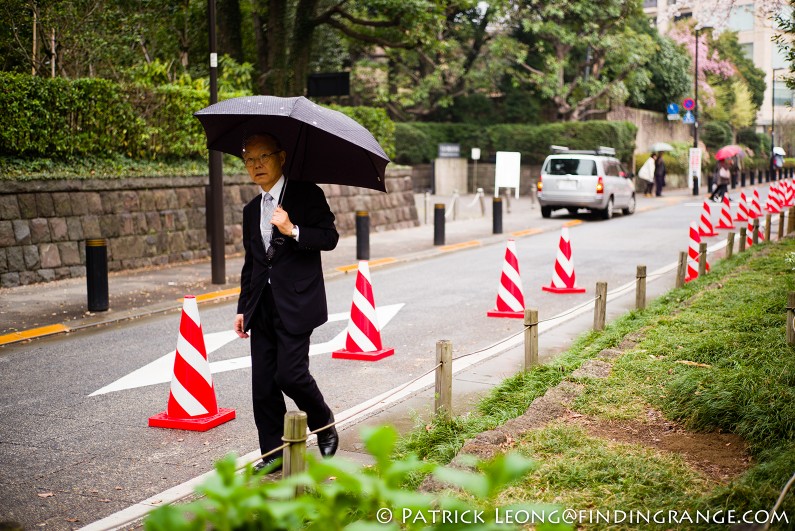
{"x": 282, "y": 294}
{"x": 723, "y": 178}
{"x": 659, "y": 174}
{"x": 646, "y": 173}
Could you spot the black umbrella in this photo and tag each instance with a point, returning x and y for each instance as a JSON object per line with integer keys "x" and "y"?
{"x": 322, "y": 145}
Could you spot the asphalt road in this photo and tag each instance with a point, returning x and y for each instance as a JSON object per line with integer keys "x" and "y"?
{"x": 74, "y": 409}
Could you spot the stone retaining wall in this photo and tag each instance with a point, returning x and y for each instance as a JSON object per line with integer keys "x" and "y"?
{"x": 151, "y": 221}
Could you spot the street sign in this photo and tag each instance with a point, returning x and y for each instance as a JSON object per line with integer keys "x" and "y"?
{"x": 672, "y": 108}
{"x": 475, "y": 153}
{"x": 689, "y": 118}
{"x": 449, "y": 151}
{"x": 689, "y": 104}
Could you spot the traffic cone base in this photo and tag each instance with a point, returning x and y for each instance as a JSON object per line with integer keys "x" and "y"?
{"x": 510, "y": 314}
{"x": 343, "y": 354}
{"x": 553, "y": 289}
{"x": 162, "y": 420}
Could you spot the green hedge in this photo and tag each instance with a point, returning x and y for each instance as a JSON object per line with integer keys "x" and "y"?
{"x": 63, "y": 119}
{"x": 417, "y": 143}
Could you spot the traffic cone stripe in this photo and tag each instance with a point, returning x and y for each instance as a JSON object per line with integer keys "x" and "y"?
{"x": 363, "y": 341}
{"x": 510, "y": 298}
{"x": 191, "y": 399}
{"x": 726, "y": 215}
{"x": 705, "y": 224}
{"x": 742, "y": 209}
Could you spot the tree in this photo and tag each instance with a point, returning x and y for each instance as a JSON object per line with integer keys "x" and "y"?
{"x": 785, "y": 20}
{"x": 580, "y": 54}
{"x": 728, "y": 47}
{"x": 670, "y": 76}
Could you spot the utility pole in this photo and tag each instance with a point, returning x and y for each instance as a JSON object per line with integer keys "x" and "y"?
{"x": 215, "y": 207}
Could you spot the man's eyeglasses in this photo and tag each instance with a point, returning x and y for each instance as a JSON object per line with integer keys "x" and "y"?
{"x": 262, "y": 159}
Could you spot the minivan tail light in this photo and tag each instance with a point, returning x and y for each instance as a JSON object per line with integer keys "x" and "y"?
{"x": 539, "y": 184}
{"x": 600, "y": 186}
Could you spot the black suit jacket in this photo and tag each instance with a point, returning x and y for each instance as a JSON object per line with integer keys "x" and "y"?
{"x": 295, "y": 271}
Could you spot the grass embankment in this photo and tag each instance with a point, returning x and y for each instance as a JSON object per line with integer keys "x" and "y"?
{"x": 110, "y": 167}
{"x": 707, "y": 359}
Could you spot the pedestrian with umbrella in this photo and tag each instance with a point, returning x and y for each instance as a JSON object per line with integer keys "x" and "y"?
{"x": 286, "y": 144}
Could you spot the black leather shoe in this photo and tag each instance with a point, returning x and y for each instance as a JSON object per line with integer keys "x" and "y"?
{"x": 269, "y": 466}
{"x": 328, "y": 440}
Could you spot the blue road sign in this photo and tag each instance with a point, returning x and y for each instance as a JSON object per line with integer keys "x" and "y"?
{"x": 689, "y": 118}
{"x": 673, "y": 108}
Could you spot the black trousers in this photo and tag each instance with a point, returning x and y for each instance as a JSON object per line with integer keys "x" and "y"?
{"x": 280, "y": 364}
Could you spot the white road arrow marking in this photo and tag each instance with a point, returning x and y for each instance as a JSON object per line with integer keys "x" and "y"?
{"x": 160, "y": 370}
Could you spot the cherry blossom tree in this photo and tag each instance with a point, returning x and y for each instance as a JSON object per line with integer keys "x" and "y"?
{"x": 715, "y": 13}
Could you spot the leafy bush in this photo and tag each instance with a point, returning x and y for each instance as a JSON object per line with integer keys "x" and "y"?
{"x": 339, "y": 495}
{"x": 716, "y": 134}
{"x": 376, "y": 121}
{"x": 759, "y": 143}
{"x": 532, "y": 141}
{"x": 62, "y": 119}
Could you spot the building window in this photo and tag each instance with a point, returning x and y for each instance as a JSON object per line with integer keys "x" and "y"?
{"x": 780, "y": 57}
{"x": 742, "y": 18}
{"x": 748, "y": 50}
{"x": 783, "y": 95}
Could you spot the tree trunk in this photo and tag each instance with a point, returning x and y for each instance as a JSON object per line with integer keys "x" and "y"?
{"x": 261, "y": 40}
{"x": 230, "y": 41}
{"x": 301, "y": 51}
{"x": 276, "y": 31}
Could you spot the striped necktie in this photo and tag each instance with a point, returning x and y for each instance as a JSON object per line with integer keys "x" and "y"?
{"x": 265, "y": 221}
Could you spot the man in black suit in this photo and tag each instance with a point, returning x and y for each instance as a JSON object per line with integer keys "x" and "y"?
{"x": 282, "y": 294}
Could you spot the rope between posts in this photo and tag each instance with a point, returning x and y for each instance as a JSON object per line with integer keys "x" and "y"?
{"x": 576, "y": 308}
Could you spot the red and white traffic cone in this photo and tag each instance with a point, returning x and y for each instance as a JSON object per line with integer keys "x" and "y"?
{"x": 692, "y": 253}
{"x": 563, "y": 279}
{"x": 790, "y": 198}
{"x": 364, "y": 337}
{"x": 705, "y": 223}
{"x": 742, "y": 209}
{"x": 773, "y": 203}
{"x": 756, "y": 208}
{"x": 510, "y": 299}
{"x": 725, "y": 221}
{"x": 191, "y": 401}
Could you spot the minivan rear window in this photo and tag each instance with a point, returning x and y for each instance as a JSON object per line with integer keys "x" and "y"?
{"x": 570, "y": 167}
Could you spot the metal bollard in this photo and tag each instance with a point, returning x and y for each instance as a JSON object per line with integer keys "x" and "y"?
{"x": 751, "y": 175}
{"x": 97, "y": 275}
{"x": 362, "y": 235}
{"x": 734, "y": 180}
{"x": 438, "y": 224}
{"x": 496, "y": 215}
{"x": 443, "y": 395}
{"x": 742, "y": 179}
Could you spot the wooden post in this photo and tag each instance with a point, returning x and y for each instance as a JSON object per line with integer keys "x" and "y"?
{"x": 702, "y": 259}
{"x": 729, "y": 244}
{"x": 443, "y": 396}
{"x": 640, "y": 288}
{"x": 791, "y": 220}
{"x": 530, "y": 338}
{"x": 294, "y": 456}
{"x": 782, "y": 218}
{"x": 755, "y": 233}
{"x": 600, "y": 306}
{"x": 791, "y": 318}
{"x": 768, "y": 224}
{"x": 681, "y": 271}
{"x": 743, "y": 239}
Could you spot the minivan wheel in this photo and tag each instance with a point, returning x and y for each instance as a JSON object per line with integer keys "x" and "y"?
{"x": 607, "y": 213}
{"x": 630, "y": 207}
{"x": 546, "y": 211}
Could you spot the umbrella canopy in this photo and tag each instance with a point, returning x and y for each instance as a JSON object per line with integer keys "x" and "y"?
{"x": 778, "y": 150}
{"x": 660, "y": 146}
{"x": 727, "y": 152}
{"x": 322, "y": 145}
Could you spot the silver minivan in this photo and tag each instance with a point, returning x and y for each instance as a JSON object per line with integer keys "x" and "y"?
{"x": 574, "y": 179}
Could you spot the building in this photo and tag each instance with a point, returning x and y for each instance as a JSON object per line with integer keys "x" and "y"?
{"x": 755, "y": 35}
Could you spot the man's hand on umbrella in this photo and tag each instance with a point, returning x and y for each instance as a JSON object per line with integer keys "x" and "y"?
{"x": 282, "y": 221}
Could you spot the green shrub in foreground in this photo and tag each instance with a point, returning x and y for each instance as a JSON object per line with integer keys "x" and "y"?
{"x": 341, "y": 495}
